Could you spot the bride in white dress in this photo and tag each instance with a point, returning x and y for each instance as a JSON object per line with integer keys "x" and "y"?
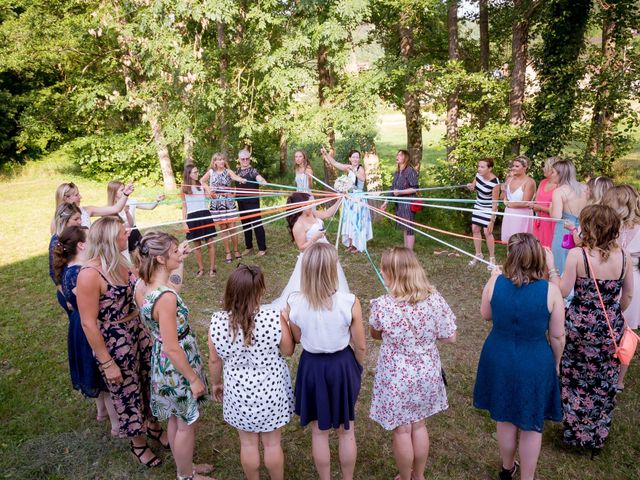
{"x": 306, "y": 229}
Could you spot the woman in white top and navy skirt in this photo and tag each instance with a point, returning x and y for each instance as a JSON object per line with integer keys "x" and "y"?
{"x": 326, "y": 322}
{"x": 197, "y": 217}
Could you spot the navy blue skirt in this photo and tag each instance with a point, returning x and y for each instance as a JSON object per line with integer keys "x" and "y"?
{"x": 327, "y": 388}
{"x": 85, "y": 374}
{"x": 200, "y": 225}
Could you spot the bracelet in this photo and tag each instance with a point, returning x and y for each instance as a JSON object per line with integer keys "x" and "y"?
{"x": 107, "y": 364}
{"x": 125, "y": 194}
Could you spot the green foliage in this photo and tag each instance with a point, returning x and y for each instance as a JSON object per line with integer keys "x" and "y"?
{"x": 564, "y": 24}
{"x": 126, "y": 156}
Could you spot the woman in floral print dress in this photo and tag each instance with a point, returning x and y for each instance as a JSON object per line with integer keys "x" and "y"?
{"x": 178, "y": 382}
{"x": 589, "y": 370}
{"x": 408, "y": 386}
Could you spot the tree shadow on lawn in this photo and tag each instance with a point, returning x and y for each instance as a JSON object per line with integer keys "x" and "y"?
{"x": 49, "y": 430}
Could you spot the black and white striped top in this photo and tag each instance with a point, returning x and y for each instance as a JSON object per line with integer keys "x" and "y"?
{"x": 484, "y": 201}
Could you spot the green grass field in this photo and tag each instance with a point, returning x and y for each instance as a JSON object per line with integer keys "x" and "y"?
{"x": 49, "y": 430}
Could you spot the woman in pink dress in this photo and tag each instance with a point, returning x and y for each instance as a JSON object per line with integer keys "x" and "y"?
{"x": 543, "y": 229}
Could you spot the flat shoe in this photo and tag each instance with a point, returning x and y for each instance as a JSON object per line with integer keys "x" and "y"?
{"x": 227, "y": 258}
{"x": 212, "y": 273}
{"x": 237, "y": 255}
{"x": 200, "y": 273}
{"x": 262, "y": 253}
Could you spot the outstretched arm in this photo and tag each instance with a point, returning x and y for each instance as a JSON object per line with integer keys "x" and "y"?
{"x": 329, "y": 212}
{"x": 111, "y": 209}
{"x": 331, "y": 161}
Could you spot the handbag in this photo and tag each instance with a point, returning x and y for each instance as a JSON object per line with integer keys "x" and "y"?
{"x": 415, "y": 206}
{"x": 567, "y": 241}
{"x": 629, "y": 342}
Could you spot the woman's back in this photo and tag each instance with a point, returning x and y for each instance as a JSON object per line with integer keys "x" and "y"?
{"x": 572, "y": 202}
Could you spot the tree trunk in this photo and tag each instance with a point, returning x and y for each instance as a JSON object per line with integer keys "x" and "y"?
{"x": 452, "y": 99}
{"x": 283, "y": 151}
{"x": 484, "y": 52}
{"x": 519, "y": 44}
{"x": 161, "y": 147}
{"x": 187, "y": 146}
{"x": 223, "y": 65}
{"x": 412, "y": 114}
{"x": 326, "y": 81}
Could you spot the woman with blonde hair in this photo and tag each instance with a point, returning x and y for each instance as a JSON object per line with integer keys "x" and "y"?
{"x": 597, "y": 188}
{"x": 519, "y": 189}
{"x": 517, "y": 379}
{"x": 69, "y": 193}
{"x": 217, "y": 183}
{"x": 178, "y": 381}
{"x": 326, "y": 322}
{"x": 567, "y": 202}
{"x": 625, "y": 200}
{"x": 408, "y": 385}
{"x": 250, "y": 341}
{"x": 599, "y": 274}
{"x": 115, "y": 192}
{"x": 121, "y": 346}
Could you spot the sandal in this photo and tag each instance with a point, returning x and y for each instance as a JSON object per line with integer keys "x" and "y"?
{"x": 237, "y": 254}
{"x": 227, "y": 257}
{"x": 474, "y": 260}
{"x": 152, "y": 462}
{"x": 156, "y": 434}
{"x": 212, "y": 273}
{"x": 262, "y": 253}
{"x": 200, "y": 273}
{"x": 506, "y": 474}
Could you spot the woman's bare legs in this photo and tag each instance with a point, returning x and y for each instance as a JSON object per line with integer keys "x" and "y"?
{"x": 420, "y": 441}
{"x": 491, "y": 242}
{"x": 320, "y": 451}
{"x": 347, "y": 450}
{"x": 403, "y": 450}
{"x": 273, "y": 454}
{"x": 211, "y": 248}
{"x": 529, "y": 448}
{"x": 409, "y": 240}
{"x": 250, "y": 454}
{"x": 477, "y": 239}
{"x": 198, "y": 253}
{"x": 507, "y": 443}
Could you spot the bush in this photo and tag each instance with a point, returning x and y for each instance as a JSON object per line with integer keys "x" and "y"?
{"x": 127, "y": 156}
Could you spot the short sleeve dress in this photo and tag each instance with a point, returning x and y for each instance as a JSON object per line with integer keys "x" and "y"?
{"x": 408, "y": 385}
{"x": 170, "y": 391}
{"x": 258, "y": 396}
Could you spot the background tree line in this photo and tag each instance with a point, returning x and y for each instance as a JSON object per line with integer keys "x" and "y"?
{"x": 127, "y": 85}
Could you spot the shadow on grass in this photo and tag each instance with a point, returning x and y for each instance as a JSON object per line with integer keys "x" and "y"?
{"x": 49, "y": 430}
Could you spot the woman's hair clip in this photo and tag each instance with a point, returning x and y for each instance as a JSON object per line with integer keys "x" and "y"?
{"x": 144, "y": 249}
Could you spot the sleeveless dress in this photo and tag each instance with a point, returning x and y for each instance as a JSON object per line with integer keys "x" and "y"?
{"x": 516, "y": 379}
{"x": 293, "y": 285}
{"x": 258, "y": 396}
{"x": 629, "y": 240}
{"x": 543, "y": 229}
{"x": 130, "y": 347}
{"x": 408, "y": 385}
{"x": 83, "y": 368}
{"x": 170, "y": 391}
{"x": 589, "y": 372}
{"x": 356, "y": 216}
{"x": 559, "y": 253}
{"x": 482, "y": 209}
{"x": 302, "y": 182}
{"x": 199, "y": 219}
{"x": 223, "y": 204}
{"x": 403, "y": 180}
{"x": 511, "y": 225}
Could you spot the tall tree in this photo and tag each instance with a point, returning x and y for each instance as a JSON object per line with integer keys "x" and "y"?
{"x": 483, "y": 24}
{"x": 522, "y": 18}
{"x": 452, "y": 100}
{"x": 559, "y": 68}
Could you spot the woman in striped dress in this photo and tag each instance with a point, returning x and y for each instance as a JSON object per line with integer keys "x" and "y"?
{"x": 486, "y": 185}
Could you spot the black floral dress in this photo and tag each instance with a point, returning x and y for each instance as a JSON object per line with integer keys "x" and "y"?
{"x": 589, "y": 371}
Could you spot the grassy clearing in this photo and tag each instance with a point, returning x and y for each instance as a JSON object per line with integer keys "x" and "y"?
{"x": 49, "y": 431}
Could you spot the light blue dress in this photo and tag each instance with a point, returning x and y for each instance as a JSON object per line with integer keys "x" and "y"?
{"x": 559, "y": 253}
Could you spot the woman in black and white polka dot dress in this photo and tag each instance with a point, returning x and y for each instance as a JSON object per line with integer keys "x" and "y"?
{"x": 254, "y": 385}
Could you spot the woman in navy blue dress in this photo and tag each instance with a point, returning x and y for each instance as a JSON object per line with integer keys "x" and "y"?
{"x": 517, "y": 379}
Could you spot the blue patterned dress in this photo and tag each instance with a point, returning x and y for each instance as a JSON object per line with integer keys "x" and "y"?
{"x": 170, "y": 391}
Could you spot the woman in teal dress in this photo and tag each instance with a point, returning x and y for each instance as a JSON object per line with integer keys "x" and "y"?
{"x": 517, "y": 379}
{"x": 178, "y": 381}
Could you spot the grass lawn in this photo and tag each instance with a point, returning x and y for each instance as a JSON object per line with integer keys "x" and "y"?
{"x": 49, "y": 430}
